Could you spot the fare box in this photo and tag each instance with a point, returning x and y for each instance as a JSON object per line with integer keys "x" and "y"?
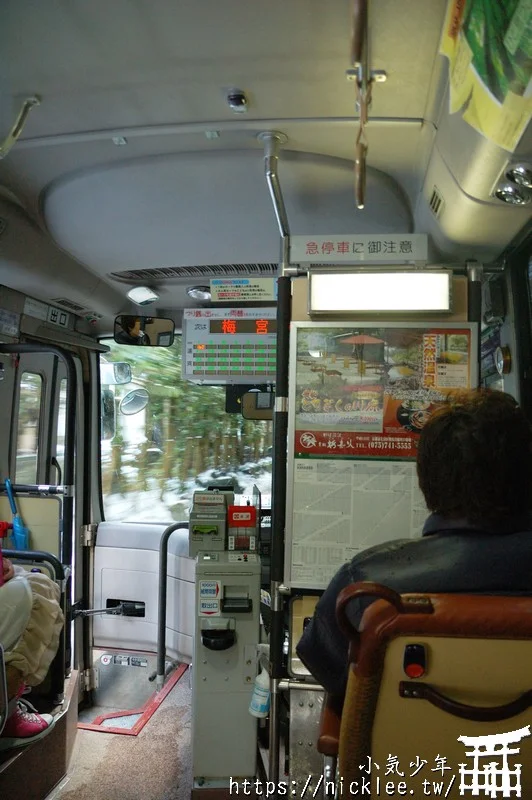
{"x": 242, "y": 524}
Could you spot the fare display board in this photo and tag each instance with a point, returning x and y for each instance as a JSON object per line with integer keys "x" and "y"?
{"x": 229, "y": 345}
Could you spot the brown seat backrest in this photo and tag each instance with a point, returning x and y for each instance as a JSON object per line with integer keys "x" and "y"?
{"x": 3, "y": 690}
{"x": 476, "y": 682}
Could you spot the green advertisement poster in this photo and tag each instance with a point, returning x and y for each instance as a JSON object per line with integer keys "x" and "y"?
{"x": 489, "y": 47}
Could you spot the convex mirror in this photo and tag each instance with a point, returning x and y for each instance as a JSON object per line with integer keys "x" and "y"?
{"x": 134, "y": 402}
{"x": 115, "y": 374}
{"x": 145, "y": 331}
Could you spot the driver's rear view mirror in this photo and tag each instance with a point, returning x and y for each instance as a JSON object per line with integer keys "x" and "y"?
{"x": 144, "y": 331}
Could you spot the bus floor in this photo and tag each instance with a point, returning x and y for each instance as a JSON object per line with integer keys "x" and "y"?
{"x": 155, "y": 764}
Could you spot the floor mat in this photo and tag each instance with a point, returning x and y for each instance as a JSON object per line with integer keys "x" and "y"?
{"x": 155, "y": 765}
{"x": 131, "y": 721}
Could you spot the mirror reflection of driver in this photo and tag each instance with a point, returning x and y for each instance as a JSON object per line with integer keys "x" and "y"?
{"x": 131, "y": 332}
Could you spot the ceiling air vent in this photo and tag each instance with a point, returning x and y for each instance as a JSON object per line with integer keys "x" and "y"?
{"x": 74, "y": 307}
{"x": 436, "y": 202}
{"x": 211, "y": 270}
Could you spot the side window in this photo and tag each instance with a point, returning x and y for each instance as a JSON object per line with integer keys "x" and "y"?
{"x": 29, "y": 415}
{"x": 163, "y": 438}
{"x": 61, "y": 426}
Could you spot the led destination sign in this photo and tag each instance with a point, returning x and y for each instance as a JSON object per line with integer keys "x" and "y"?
{"x": 236, "y": 326}
{"x": 234, "y": 346}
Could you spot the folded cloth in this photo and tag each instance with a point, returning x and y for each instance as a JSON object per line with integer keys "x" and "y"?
{"x": 30, "y": 647}
{"x": 16, "y": 602}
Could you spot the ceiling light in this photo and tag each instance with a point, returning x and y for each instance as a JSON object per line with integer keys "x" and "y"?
{"x": 513, "y": 195}
{"x": 348, "y": 292}
{"x": 142, "y": 295}
{"x": 520, "y": 174}
{"x": 199, "y": 292}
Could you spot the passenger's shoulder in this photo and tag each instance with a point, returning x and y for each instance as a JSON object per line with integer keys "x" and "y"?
{"x": 386, "y": 549}
{"x": 393, "y": 551}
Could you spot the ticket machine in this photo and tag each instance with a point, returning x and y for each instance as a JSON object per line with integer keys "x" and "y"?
{"x": 224, "y": 541}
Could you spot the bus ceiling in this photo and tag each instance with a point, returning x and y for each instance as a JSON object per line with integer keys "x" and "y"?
{"x": 131, "y": 154}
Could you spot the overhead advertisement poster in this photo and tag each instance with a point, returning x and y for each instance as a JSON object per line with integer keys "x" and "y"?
{"x": 360, "y": 395}
{"x": 367, "y": 391}
{"x": 489, "y": 47}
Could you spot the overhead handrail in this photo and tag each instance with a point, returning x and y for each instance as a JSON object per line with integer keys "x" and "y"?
{"x": 364, "y": 78}
{"x": 359, "y": 55}
{"x": 360, "y": 23}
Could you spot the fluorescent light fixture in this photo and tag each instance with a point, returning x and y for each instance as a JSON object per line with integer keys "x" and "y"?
{"x": 382, "y": 292}
{"x": 142, "y": 295}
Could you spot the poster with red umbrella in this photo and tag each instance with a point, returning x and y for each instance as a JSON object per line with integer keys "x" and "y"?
{"x": 366, "y": 391}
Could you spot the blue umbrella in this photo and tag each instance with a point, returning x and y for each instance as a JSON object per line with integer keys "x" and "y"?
{"x": 20, "y": 533}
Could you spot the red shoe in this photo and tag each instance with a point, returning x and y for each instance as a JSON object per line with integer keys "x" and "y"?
{"x": 24, "y": 726}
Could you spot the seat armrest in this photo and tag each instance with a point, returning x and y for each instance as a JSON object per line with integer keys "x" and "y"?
{"x": 329, "y": 729}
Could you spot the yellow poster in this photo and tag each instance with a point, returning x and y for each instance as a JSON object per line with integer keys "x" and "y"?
{"x": 489, "y": 47}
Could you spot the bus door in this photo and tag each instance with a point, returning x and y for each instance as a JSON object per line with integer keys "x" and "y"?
{"x": 45, "y": 404}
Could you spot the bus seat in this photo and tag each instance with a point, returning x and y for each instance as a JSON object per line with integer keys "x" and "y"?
{"x": 430, "y": 677}
{"x": 3, "y": 690}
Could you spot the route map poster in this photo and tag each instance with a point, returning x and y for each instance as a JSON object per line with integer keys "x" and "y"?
{"x": 366, "y": 391}
{"x": 359, "y": 397}
{"x": 489, "y": 47}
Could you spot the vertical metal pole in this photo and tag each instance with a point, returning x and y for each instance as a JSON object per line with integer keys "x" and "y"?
{"x": 271, "y": 142}
{"x": 279, "y": 516}
{"x": 474, "y": 303}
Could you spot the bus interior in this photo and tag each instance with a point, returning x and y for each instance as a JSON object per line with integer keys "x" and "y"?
{"x": 286, "y": 206}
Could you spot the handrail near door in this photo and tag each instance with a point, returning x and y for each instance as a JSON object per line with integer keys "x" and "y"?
{"x": 161, "y": 619}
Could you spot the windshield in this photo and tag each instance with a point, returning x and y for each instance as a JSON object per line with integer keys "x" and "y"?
{"x": 161, "y": 444}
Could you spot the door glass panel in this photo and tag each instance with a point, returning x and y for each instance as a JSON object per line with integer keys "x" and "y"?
{"x": 29, "y": 414}
{"x": 61, "y": 426}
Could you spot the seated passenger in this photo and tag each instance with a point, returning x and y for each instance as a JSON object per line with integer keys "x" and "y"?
{"x": 31, "y": 621}
{"x": 474, "y": 466}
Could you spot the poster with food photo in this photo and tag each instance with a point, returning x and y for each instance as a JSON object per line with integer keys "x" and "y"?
{"x": 368, "y": 391}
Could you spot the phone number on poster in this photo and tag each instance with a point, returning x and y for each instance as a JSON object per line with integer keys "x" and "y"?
{"x": 392, "y": 444}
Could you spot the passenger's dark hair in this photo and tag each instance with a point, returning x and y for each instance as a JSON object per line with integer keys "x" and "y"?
{"x": 128, "y": 322}
{"x": 474, "y": 459}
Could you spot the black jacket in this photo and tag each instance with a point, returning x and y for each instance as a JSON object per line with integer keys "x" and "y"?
{"x": 123, "y": 337}
{"x": 451, "y": 556}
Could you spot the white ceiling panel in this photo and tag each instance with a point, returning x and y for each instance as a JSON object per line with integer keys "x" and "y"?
{"x": 157, "y": 72}
{"x": 124, "y": 63}
{"x": 195, "y": 209}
